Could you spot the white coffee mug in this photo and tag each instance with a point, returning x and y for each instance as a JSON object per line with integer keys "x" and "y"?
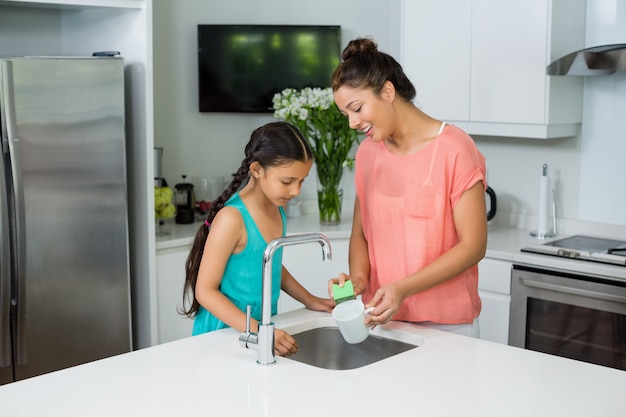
{"x": 350, "y": 318}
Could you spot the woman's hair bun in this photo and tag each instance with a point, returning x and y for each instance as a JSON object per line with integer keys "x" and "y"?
{"x": 359, "y": 46}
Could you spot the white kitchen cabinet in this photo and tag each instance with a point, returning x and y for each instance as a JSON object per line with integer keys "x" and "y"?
{"x": 306, "y": 265}
{"x": 494, "y": 287}
{"x": 436, "y": 57}
{"x": 77, "y": 4}
{"x": 170, "y": 282}
{"x": 481, "y": 64}
{"x": 79, "y": 28}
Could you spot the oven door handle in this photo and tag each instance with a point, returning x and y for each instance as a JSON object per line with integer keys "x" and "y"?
{"x": 573, "y": 291}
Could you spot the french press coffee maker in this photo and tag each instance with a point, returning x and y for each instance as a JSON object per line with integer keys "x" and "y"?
{"x": 185, "y": 201}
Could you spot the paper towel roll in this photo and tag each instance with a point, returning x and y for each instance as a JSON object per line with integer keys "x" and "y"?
{"x": 544, "y": 204}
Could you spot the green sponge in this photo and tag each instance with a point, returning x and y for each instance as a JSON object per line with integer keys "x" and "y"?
{"x": 341, "y": 294}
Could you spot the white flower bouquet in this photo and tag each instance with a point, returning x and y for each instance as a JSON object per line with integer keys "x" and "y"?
{"x": 314, "y": 113}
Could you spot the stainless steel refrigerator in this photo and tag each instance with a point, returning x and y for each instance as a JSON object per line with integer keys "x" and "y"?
{"x": 64, "y": 268}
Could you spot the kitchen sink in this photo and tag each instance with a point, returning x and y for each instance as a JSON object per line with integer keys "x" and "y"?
{"x": 324, "y": 347}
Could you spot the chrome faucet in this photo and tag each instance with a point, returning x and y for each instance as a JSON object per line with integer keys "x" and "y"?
{"x": 263, "y": 341}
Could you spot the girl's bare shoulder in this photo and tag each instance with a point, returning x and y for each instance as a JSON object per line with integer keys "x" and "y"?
{"x": 227, "y": 217}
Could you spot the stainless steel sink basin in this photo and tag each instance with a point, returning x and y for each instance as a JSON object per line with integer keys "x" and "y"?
{"x": 324, "y": 347}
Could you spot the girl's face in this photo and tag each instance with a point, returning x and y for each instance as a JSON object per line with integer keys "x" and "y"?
{"x": 283, "y": 182}
{"x": 371, "y": 114}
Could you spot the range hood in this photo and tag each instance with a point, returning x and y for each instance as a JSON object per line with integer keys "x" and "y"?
{"x": 598, "y": 60}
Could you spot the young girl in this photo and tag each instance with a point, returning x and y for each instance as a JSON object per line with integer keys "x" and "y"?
{"x": 419, "y": 226}
{"x": 224, "y": 267}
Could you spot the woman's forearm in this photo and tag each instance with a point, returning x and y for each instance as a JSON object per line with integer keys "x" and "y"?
{"x": 358, "y": 256}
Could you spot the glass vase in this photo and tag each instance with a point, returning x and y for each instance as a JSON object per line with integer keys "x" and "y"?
{"x": 329, "y": 193}
{"x": 329, "y": 202}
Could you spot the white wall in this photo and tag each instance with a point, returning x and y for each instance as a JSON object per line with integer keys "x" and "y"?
{"x": 29, "y": 34}
{"x": 587, "y": 170}
{"x": 212, "y": 144}
{"x": 514, "y": 166}
{"x": 603, "y": 152}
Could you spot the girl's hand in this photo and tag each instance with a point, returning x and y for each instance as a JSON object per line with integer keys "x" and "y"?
{"x": 284, "y": 344}
{"x": 386, "y": 301}
{"x": 320, "y": 304}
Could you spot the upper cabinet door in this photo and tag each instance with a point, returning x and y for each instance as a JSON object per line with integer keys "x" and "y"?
{"x": 436, "y": 55}
{"x": 481, "y": 64}
{"x": 508, "y": 80}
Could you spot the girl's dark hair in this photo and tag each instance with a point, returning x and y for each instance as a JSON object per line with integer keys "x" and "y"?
{"x": 270, "y": 145}
{"x": 364, "y": 66}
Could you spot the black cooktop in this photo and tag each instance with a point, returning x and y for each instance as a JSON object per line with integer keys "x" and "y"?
{"x": 590, "y": 244}
{"x": 584, "y": 248}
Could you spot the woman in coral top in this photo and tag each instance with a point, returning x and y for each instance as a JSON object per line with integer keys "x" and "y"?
{"x": 419, "y": 226}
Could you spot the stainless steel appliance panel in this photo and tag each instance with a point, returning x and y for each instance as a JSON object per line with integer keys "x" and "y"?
{"x": 66, "y": 148}
{"x": 569, "y": 315}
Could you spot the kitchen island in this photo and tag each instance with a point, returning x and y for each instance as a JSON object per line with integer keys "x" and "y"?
{"x": 210, "y": 374}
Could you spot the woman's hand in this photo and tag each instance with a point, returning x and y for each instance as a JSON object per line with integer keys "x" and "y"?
{"x": 284, "y": 344}
{"x": 359, "y": 284}
{"x": 386, "y": 301}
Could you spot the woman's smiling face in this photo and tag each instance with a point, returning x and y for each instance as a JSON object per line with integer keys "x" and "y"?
{"x": 367, "y": 112}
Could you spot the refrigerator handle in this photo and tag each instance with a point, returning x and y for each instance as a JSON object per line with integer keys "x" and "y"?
{"x": 15, "y": 197}
{"x": 5, "y": 254}
{"x": 5, "y": 293}
{"x": 5, "y": 276}
{"x": 5, "y": 287}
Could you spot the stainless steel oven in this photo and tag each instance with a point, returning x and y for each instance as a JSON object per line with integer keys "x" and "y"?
{"x": 568, "y": 313}
{"x": 564, "y": 314}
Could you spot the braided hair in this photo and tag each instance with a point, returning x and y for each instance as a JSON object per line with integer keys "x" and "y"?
{"x": 270, "y": 145}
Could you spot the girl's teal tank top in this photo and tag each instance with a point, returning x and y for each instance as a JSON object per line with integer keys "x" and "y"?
{"x": 243, "y": 275}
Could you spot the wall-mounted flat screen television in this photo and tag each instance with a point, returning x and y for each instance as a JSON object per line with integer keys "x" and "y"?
{"x": 241, "y": 67}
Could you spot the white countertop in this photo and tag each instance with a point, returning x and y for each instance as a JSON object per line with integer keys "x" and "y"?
{"x": 449, "y": 375}
{"x": 504, "y": 243}
{"x": 183, "y": 234}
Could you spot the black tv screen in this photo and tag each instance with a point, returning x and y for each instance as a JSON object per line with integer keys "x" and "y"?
{"x": 241, "y": 67}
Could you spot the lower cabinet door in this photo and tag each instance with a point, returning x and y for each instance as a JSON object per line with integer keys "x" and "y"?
{"x": 494, "y": 317}
{"x": 170, "y": 281}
